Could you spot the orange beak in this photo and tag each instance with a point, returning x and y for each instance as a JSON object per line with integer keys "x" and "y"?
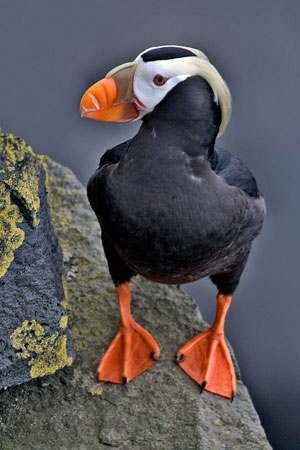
{"x": 111, "y": 99}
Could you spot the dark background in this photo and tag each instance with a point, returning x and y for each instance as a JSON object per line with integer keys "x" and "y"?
{"x": 50, "y": 52}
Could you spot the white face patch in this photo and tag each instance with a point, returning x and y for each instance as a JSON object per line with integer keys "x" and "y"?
{"x": 145, "y": 88}
{"x": 149, "y": 94}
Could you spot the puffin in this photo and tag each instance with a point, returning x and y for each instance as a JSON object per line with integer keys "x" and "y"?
{"x": 172, "y": 206}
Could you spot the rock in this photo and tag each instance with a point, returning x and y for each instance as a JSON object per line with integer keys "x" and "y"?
{"x": 162, "y": 408}
{"x": 33, "y": 340}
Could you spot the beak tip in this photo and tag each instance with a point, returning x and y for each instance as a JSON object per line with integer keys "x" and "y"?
{"x": 101, "y": 102}
{"x": 82, "y": 110}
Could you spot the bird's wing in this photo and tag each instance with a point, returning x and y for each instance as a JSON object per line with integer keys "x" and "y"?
{"x": 233, "y": 171}
{"x": 114, "y": 155}
{"x": 119, "y": 270}
{"x": 111, "y": 156}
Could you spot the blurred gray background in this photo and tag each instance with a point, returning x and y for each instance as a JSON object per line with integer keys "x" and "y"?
{"x": 50, "y": 52}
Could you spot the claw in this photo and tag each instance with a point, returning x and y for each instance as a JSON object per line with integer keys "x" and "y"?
{"x": 202, "y": 386}
{"x": 233, "y": 395}
{"x": 125, "y": 383}
{"x": 180, "y": 358}
{"x": 155, "y": 356}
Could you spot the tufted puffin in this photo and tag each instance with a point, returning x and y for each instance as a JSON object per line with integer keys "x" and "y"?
{"x": 172, "y": 206}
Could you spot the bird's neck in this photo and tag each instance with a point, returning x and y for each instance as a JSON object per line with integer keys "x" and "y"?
{"x": 187, "y": 118}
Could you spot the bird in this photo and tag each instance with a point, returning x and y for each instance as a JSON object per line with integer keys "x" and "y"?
{"x": 173, "y": 206}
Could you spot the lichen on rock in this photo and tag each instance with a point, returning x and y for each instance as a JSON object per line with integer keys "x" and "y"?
{"x": 34, "y": 339}
{"x": 19, "y": 170}
{"x": 46, "y": 353}
{"x": 11, "y": 236}
{"x": 19, "y": 175}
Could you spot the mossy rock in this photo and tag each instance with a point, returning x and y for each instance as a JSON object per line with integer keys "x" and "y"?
{"x": 33, "y": 337}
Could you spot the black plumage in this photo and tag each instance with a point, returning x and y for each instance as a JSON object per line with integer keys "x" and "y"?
{"x": 172, "y": 206}
{"x": 165, "y": 53}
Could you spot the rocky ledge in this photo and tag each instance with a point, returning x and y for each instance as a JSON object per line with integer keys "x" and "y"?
{"x": 69, "y": 409}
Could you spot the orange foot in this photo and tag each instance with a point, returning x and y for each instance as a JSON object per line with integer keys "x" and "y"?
{"x": 133, "y": 349}
{"x": 206, "y": 358}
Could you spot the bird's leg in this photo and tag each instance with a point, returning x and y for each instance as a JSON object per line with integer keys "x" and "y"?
{"x": 132, "y": 350}
{"x": 206, "y": 358}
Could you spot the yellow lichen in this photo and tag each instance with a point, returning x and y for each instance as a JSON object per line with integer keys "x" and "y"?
{"x": 54, "y": 358}
{"x": 20, "y": 172}
{"x": 63, "y": 322}
{"x": 46, "y": 354}
{"x": 28, "y": 188}
{"x": 65, "y": 303}
{"x": 19, "y": 184}
{"x": 11, "y": 237}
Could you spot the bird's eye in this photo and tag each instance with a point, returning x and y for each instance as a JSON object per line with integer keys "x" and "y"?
{"x": 160, "y": 80}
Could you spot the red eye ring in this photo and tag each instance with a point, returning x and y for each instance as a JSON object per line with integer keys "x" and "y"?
{"x": 159, "y": 80}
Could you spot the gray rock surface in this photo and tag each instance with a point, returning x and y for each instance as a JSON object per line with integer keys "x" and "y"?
{"x": 162, "y": 408}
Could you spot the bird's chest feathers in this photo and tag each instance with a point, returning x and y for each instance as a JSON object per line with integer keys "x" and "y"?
{"x": 163, "y": 196}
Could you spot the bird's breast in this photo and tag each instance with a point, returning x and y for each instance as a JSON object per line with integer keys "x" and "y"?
{"x": 173, "y": 224}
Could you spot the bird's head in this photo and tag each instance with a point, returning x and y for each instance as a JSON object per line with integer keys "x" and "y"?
{"x": 132, "y": 90}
